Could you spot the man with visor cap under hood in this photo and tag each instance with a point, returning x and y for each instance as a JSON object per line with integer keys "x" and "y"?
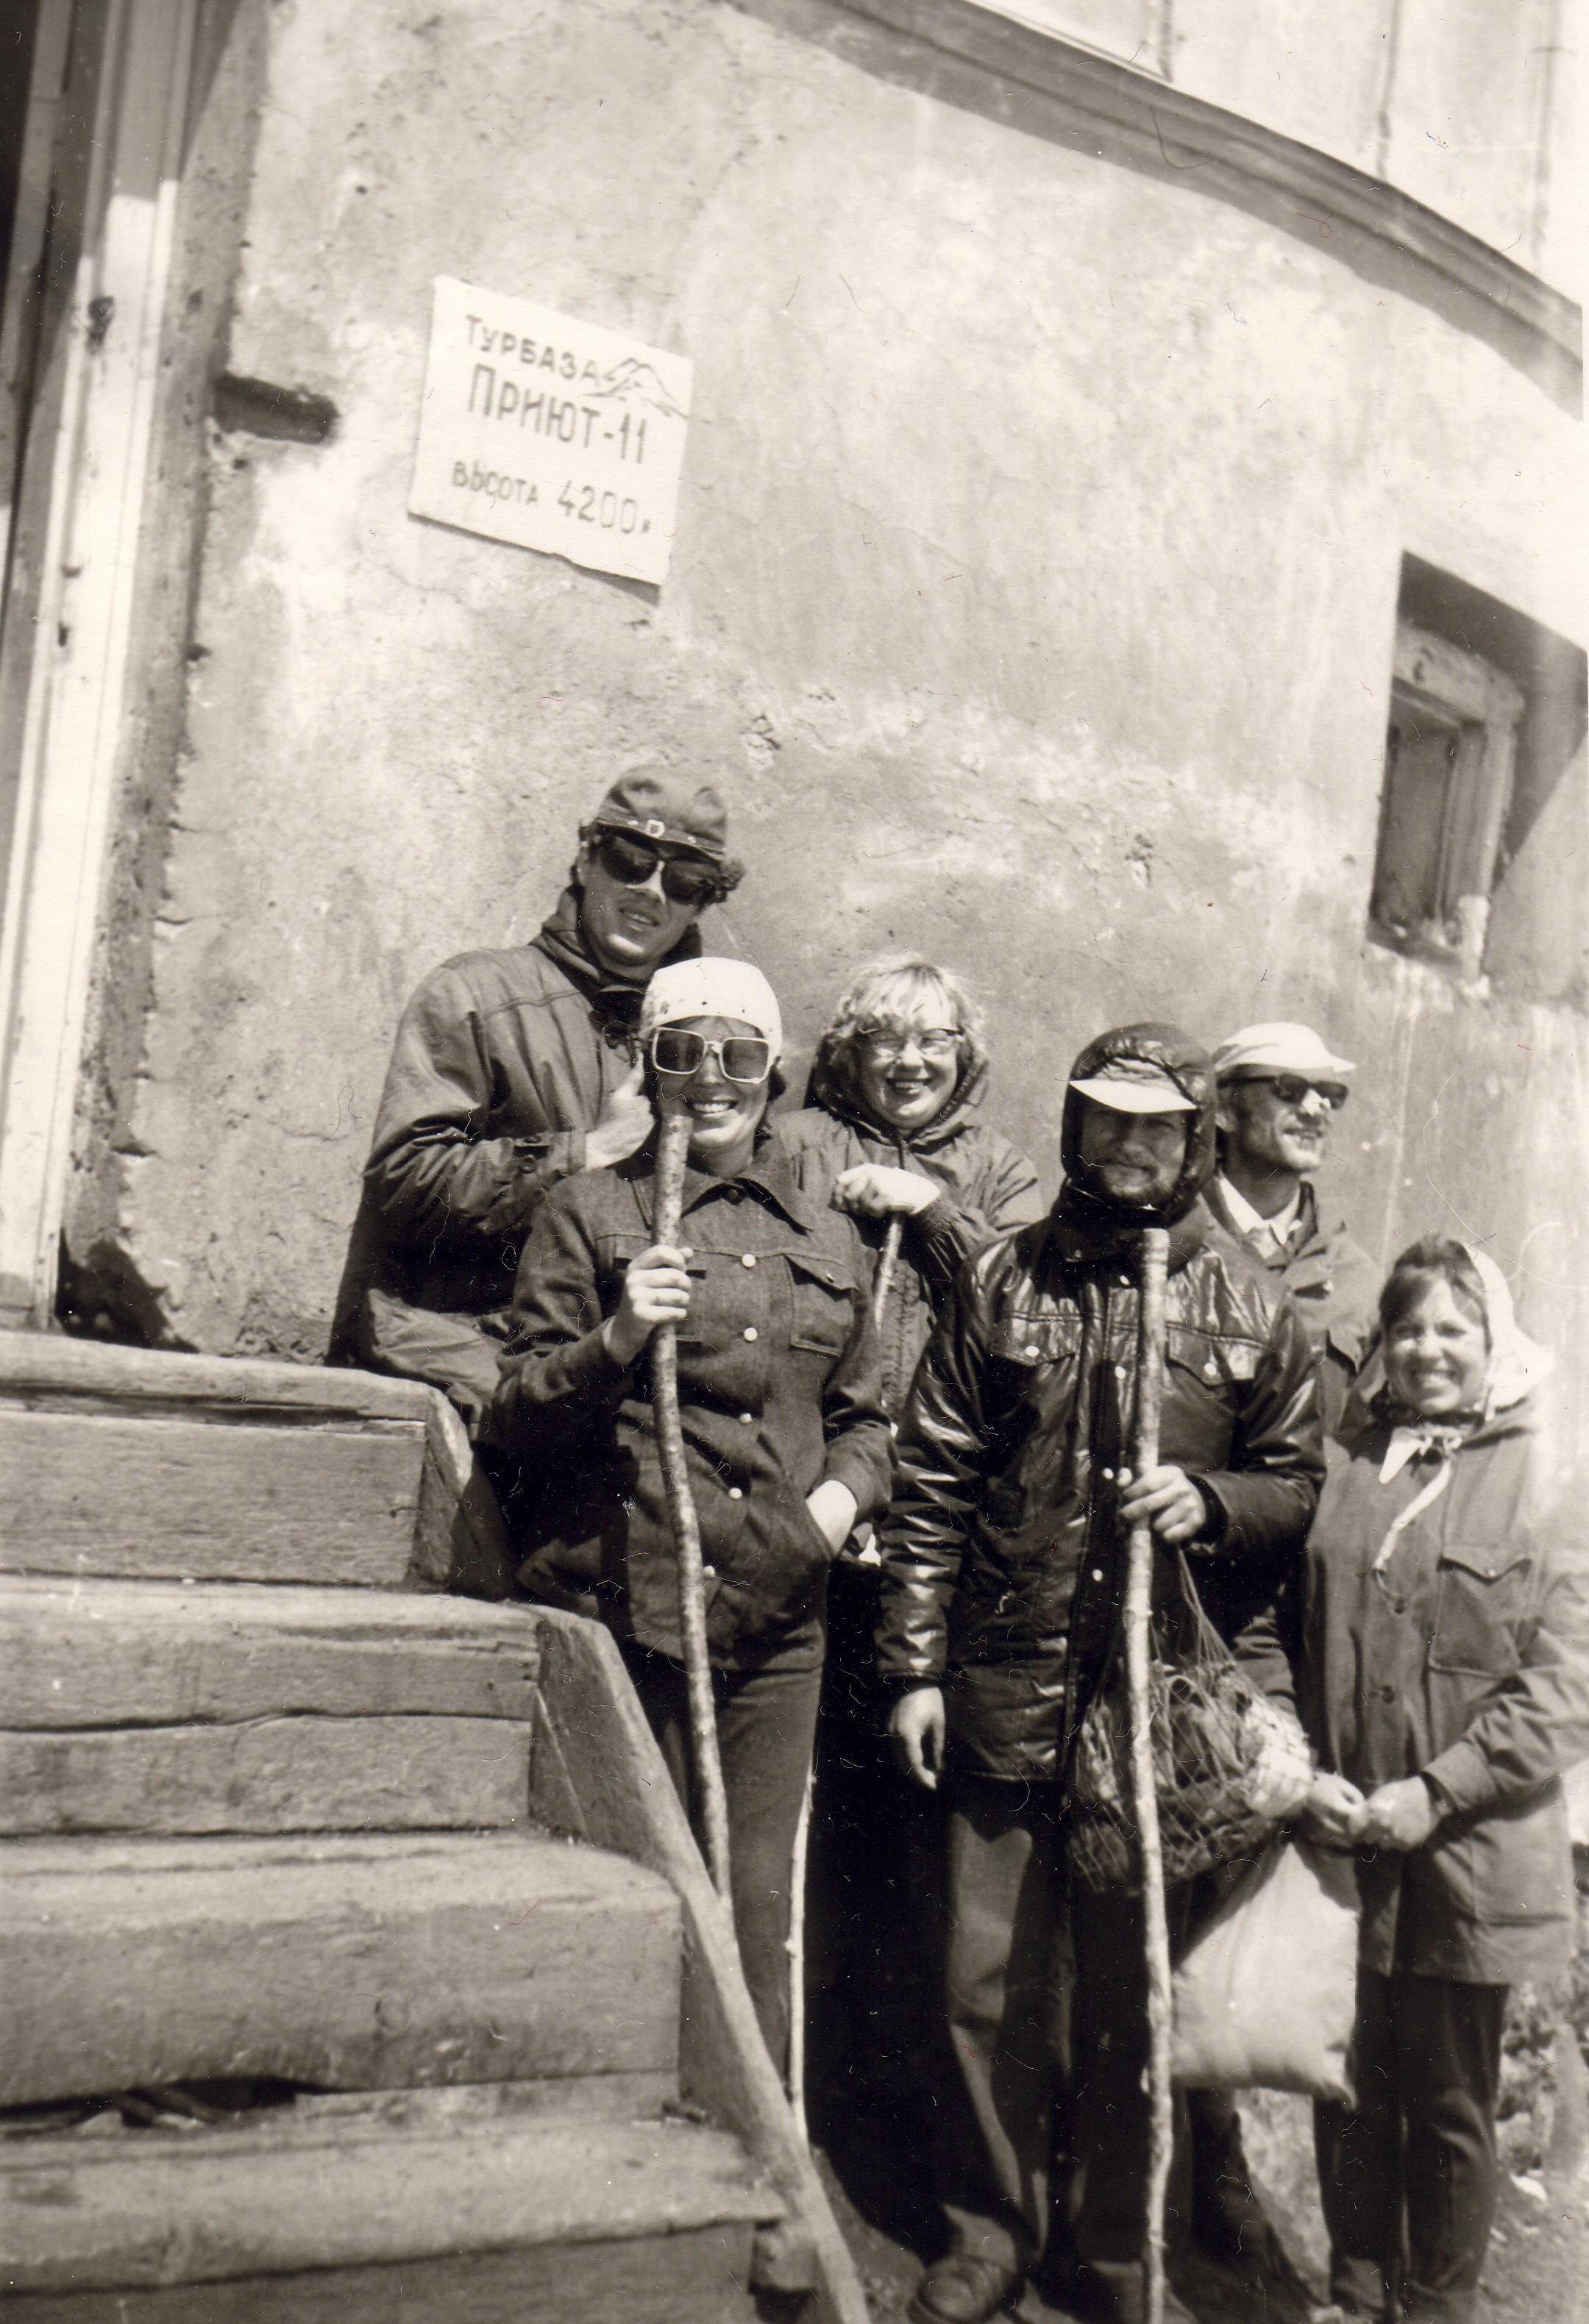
{"x": 1005, "y": 1562}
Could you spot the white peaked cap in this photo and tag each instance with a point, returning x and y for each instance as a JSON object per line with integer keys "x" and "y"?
{"x": 1278, "y": 1049}
{"x": 711, "y": 987}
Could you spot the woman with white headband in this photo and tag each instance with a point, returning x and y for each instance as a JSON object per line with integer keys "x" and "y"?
{"x": 784, "y": 1433}
{"x": 1443, "y": 1672}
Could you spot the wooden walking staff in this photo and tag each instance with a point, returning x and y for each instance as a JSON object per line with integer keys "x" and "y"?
{"x": 671, "y": 1146}
{"x": 888, "y": 1259}
{"x": 1139, "y": 1594}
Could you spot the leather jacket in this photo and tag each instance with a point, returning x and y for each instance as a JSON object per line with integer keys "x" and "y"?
{"x": 1004, "y": 1557}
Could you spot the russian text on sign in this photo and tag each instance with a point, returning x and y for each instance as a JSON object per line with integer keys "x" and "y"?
{"x": 549, "y": 433}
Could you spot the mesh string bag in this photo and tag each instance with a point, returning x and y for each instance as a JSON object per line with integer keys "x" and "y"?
{"x": 1230, "y": 1764}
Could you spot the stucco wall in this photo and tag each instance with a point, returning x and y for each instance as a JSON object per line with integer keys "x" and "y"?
{"x": 1032, "y": 601}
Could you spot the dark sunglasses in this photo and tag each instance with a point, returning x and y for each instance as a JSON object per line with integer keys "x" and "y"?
{"x": 631, "y": 862}
{"x": 1292, "y": 1088}
{"x": 744, "y": 1058}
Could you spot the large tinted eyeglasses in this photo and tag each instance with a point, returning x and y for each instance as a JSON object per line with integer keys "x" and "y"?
{"x": 742, "y": 1057}
{"x": 631, "y": 862}
{"x": 1292, "y": 1088}
{"x": 885, "y": 1043}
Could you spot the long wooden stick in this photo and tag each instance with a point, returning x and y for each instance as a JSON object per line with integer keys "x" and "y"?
{"x": 672, "y": 1143}
{"x": 797, "y": 1963}
{"x": 1139, "y": 1597}
{"x": 888, "y": 1259}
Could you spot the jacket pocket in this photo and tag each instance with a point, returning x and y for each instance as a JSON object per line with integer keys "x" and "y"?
{"x": 1032, "y": 1339}
{"x": 1217, "y": 1360}
{"x": 822, "y": 1292}
{"x": 1480, "y": 1599}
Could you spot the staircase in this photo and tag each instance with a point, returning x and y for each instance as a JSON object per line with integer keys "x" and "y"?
{"x": 355, "y": 1962}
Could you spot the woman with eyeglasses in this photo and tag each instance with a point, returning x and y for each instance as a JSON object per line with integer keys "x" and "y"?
{"x": 892, "y": 1130}
{"x": 784, "y": 1432}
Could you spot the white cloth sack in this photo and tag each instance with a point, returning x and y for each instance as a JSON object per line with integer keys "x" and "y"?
{"x": 1266, "y": 1996}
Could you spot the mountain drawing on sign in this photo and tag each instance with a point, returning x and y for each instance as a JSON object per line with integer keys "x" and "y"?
{"x": 635, "y": 382}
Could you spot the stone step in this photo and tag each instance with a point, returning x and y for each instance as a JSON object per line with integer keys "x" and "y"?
{"x": 346, "y": 1962}
{"x": 215, "y": 1497}
{"x": 485, "y": 2213}
{"x": 148, "y": 1707}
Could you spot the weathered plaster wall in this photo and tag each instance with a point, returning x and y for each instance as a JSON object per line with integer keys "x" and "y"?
{"x": 1032, "y": 600}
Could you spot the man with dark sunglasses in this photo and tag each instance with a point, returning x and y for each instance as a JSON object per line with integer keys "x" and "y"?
{"x": 1281, "y": 1088}
{"x": 1279, "y": 1091}
{"x": 513, "y": 1069}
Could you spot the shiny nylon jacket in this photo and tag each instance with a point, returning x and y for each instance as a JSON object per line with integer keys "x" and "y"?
{"x": 1003, "y": 1559}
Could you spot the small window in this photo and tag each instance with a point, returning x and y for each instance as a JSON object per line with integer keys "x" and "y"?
{"x": 1485, "y": 814}
{"x": 1449, "y": 755}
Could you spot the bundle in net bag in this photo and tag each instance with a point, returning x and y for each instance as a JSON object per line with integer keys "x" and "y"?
{"x": 1228, "y": 1763}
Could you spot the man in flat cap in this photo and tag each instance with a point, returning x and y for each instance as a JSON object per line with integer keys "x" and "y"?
{"x": 1279, "y": 1091}
{"x": 513, "y": 1069}
{"x": 1003, "y": 1568}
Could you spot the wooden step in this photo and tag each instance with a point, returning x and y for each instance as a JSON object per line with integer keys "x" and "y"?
{"x": 350, "y": 1962}
{"x": 127, "y": 1462}
{"x": 124, "y": 1653}
{"x": 148, "y": 1707}
{"x": 215, "y": 1498}
{"x": 366, "y": 2218}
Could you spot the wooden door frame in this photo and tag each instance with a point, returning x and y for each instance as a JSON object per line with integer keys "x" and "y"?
{"x": 91, "y": 441}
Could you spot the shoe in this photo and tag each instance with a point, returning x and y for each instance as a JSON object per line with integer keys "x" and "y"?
{"x": 963, "y": 2290}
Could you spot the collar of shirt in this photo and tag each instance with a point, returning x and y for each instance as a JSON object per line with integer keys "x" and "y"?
{"x": 1249, "y": 1222}
{"x": 769, "y": 1175}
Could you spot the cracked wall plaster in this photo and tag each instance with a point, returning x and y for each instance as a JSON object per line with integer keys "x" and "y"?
{"x": 1032, "y": 602}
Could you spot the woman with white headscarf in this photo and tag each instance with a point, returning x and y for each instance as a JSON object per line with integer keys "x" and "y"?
{"x": 1443, "y": 1672}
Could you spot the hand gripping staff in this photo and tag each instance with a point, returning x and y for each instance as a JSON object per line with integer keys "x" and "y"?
{"x": 1145, "y": 1798}
{"x": 672, "y": 1145}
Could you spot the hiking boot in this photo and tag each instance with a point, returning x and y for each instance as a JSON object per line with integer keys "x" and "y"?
{"x": 965, "y": 2289}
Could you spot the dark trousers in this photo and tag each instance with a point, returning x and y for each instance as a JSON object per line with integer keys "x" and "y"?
{"x": 1048, "y": 2014}
{"x": 873, "y": 1938}
{"x": 1409, "y": 2176}
{"x": 766, "y": 1721}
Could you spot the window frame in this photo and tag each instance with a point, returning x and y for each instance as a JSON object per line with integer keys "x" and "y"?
{"x": 1457, "y": 687}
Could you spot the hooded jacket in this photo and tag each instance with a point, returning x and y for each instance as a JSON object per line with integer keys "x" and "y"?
{"x": 1003, "y": 1562}
{"x": 985, "y": 1182}
{"x": 502, "y": 1061}
{"x": 1441, "y": 1628}
{"x": 1466, "y": 1659}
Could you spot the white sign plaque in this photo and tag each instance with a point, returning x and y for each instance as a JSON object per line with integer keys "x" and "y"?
{"x": 549, "y": 433}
